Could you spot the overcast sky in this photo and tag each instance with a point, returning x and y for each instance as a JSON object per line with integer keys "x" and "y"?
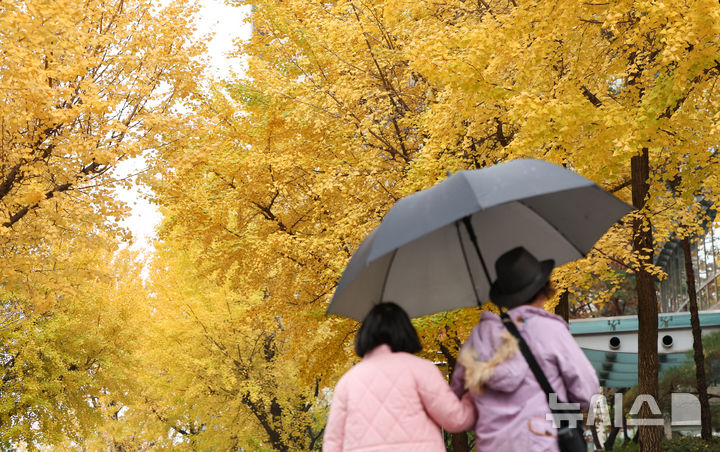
{"x": 227, "y": 24}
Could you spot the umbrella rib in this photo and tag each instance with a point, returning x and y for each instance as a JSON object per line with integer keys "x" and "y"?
{"x": 467, "y": 264}
{"x": 387, "y": 273}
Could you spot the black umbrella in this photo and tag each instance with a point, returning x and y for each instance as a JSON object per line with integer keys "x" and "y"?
{"x": 435, "y": 249}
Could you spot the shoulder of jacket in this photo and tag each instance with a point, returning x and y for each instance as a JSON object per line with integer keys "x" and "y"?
{"x": 414, "y": 359}
{"x": 353, "y": 373}
{"x": 541, "y": 317}
{"x": 487, "y": 320}
{"x": 488, "y": 316}
{"x": 417, "y": 366}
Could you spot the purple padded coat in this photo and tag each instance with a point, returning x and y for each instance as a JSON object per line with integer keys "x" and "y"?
{"x": 512, "y": 409}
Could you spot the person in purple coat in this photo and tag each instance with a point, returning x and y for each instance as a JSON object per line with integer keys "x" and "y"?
{"x": 511, "y": 405}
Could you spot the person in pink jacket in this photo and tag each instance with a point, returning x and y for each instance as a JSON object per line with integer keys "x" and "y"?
{"x": 393, "y": 400}
{"x": 511, "y": 405}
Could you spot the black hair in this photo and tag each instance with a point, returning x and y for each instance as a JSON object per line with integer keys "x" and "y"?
{"x": 387, "y": 323}
{"x": 548, "y": 291}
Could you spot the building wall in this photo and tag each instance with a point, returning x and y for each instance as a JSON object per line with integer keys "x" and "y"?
{"x": 672, "y": 291}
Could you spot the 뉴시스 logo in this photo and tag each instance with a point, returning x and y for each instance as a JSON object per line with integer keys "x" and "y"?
{"x": 684, "y": 411}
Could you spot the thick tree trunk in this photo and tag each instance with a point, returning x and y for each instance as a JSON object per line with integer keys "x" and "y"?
{"x": 563, "y": 307}
{"x": 649, "y": 436}
{"x": 705, "y": 419}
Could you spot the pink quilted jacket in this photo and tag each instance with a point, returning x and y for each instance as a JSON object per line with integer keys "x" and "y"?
{"x": 394, "y": 402}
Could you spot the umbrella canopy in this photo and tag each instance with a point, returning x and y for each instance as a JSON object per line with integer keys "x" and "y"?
{"x": 423, "y": 256}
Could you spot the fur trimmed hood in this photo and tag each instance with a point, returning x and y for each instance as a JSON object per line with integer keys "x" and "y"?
{"x": 492, "y": 356}
{"x": 477, "y": 373}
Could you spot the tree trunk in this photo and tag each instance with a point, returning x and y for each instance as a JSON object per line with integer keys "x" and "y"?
{"x": 626, "y": 437}
{"x": 595, "y": 437}
{"x": 614, "y": 429}
{"x": 563, "y": 307}
{"x": 649, "y": 436}
{"x": 705, "y": 419}
{"x": 610, "y": 441}
{"x": 459, "y": 442}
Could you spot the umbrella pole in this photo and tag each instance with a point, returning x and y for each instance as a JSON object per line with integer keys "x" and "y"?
{"x": 473, "y": 239}
{"x": 467, "y": 264}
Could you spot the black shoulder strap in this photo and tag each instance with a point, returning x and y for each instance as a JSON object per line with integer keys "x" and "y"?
{"x": 529, "y": 357}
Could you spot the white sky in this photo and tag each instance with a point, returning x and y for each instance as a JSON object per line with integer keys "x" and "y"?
{"x": 226, "y": 22}
{"x": 228, "y": 25}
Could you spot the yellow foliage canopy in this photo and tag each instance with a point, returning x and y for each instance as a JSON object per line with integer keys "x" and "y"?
{"x": 83, "y": 86}
{"x": 345, "y": 108}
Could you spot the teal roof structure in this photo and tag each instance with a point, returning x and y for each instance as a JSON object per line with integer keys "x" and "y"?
{"x": 618, "y": 369}
{"x": 629, "y": 323}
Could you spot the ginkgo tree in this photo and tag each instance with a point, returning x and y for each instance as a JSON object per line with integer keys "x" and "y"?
{"x": 623, "y": 93}
{"x": 298, "y": 162}
{"x": 270, "y": 181}
{"x": 83, "y": 86}
{"x": 66, "y": 373}
{"x": 222, "y": 370}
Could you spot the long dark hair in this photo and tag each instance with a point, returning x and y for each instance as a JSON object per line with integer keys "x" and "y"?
{"x": 387, "y": 323}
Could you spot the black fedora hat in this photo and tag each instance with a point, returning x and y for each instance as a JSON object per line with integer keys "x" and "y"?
{"x": 520, "y": 276}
